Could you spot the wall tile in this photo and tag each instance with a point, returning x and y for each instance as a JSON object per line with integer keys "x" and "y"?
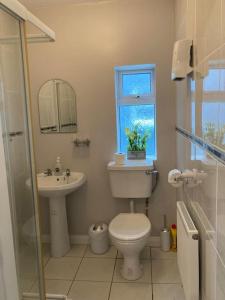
{"x": 181, "y": 18}
{"x": 206, "y": 203}
{"x": 191, "y": 17}
{"x": 208, "y": 27}
{"x": 184, "y": 18}
{"x": 220, "y": 279}
{"x": 206, "y": 194}
{"x": 221, "y": 212}
{"x": 184, "y": 104}
{"x": 210, "y": 100}
{"x": 202, "y": 205}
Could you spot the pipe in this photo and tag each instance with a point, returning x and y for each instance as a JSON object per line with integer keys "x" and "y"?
{"x": 132, "y": 209}
{"x": 156, "y": 173}
{"x": 146, "y": 206}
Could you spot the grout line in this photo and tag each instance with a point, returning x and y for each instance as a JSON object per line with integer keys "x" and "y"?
{"x": 88, "y": 280}
{"x": 47, "y": 261}
{"x": 151, "y": 273}
{"x": 110, "y": 289}
{"x": 33, "y": 285}
{"x": 73, "y": 280}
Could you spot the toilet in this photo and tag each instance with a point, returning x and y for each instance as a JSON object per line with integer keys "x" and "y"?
{"x": 129, "y": 232}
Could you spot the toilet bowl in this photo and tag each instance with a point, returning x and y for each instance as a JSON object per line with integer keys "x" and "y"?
{"x": 129, "y": 233}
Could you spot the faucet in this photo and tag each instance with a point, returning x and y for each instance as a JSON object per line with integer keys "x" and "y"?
{"x": 48, "y": 172}
{"x": 57, "y": 170}
{"x": 67, "y": 172}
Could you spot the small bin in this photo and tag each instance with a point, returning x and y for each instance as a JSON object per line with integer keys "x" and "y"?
{"x": 99, "y": 238}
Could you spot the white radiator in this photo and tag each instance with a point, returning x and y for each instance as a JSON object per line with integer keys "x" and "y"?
{"x": 187, "y": 252}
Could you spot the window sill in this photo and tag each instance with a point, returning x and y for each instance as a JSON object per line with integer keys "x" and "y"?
{"x": 149, "y": 159}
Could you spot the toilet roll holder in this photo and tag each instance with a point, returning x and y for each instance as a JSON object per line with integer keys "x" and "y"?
{"x": 190, "y": 178}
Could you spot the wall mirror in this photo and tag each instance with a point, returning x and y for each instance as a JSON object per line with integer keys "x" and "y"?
{"x": 57, "y": 107}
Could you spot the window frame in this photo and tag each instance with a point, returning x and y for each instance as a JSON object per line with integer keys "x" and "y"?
{"x": 135, "y": 99}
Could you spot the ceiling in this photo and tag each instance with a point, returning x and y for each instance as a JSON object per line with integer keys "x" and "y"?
{"x": 37, "y": 3}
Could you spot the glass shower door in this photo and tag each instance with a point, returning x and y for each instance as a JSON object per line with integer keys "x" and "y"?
{"x": 14, "y": 110}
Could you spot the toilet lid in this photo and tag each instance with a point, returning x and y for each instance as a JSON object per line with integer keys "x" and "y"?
{"x": 129, "y": 226}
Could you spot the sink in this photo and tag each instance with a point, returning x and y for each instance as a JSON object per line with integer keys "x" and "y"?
{"x": 56, "y": 188}
{"x": 59, "y": 186}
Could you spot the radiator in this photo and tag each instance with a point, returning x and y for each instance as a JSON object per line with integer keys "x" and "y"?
{"x": 187, "y": 252}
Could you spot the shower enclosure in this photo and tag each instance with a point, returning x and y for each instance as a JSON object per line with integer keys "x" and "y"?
{"x": 16, "y": 139}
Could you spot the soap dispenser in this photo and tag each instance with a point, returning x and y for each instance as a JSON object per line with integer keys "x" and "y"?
{"x": 58, "y": 166}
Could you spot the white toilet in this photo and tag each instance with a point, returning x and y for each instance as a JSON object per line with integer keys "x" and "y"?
{"x": 129, "y": 232}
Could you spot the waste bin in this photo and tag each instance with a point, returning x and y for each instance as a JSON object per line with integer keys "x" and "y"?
{"x": 99, "y": 238}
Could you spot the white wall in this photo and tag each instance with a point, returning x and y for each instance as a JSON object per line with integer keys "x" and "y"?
{"x": 91, "y": 40}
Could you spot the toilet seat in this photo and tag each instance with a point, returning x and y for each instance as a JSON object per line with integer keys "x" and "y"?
{"x": 129, "y": 226}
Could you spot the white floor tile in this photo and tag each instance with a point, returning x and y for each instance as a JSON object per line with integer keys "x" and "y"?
{"x": 165, "y": 271}
{"x": 62, "y": 268}
{"x": 111, "y": 253}
{"x": 168, "y": 292}
{"x": 26, "y": 284}
{"x": 131, "y": 291}
{"x": 145, "y": 254}
{"x": 96, "y": 269}
{"x": 146, "y": 277}
{"x": 87, "y": 290}
{"x": 52, "y": 286}
{"x": 77, "y": 251}
{"x": 157, "y": 253}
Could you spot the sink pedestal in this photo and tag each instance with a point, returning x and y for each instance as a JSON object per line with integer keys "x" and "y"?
{"x": 56, "y": 188}
{"x": 60, "y": 243}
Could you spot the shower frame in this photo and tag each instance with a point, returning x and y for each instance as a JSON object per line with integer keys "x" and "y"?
{"x": 19, "y": 12}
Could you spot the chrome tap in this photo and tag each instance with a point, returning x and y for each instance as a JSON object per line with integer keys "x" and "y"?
{"x": 68, "y": 172}
{"x": 48, "y": 172}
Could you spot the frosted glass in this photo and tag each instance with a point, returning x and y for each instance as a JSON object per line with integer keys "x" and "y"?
{"x": 136, "y": 84}
{"x": 130, "y": 115}
{"x": 13, "y": 118}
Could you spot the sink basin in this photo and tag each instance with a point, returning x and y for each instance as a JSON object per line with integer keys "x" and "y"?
{"x": 56, "y": 188}
{"x": 59, "y": 186}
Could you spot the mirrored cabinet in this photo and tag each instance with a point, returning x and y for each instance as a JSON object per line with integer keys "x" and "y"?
{"x": 57, "y": 107}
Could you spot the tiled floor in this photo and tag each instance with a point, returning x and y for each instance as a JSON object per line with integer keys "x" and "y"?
{"x": 83, "y": 275}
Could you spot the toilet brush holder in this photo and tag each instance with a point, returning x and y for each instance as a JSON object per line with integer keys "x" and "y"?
{"x": 165, "y": 241}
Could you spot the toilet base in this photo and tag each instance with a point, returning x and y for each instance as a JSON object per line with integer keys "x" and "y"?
{"x": 132, "y": 269}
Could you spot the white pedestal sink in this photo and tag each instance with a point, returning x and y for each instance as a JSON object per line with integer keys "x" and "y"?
{"x": 56, "y": 188}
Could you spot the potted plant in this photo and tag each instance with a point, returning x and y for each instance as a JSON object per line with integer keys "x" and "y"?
{"x": 137, "y": 140}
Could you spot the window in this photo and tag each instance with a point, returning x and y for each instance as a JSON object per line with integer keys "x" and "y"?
{"x": 135, "y": 100}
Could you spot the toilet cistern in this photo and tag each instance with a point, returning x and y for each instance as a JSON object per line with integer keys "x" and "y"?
{"x": 132, "y": 180}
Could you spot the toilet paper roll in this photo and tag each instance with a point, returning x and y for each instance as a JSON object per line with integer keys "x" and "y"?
{"x": 119, "y": 158}
{"x": 172, "y": 178}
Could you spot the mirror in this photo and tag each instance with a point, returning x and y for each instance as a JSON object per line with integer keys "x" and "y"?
{"x": 57, "y": 107}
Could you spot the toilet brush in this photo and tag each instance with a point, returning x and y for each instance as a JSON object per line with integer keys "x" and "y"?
{"x": 165, "y": 236}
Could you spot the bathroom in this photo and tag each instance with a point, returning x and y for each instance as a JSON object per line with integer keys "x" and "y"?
{"x": 88, "y": 46}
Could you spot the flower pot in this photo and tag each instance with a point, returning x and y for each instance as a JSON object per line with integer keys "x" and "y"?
{"x": 136, "y": 154}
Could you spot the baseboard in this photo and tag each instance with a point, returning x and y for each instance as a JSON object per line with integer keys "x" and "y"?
{"x": 79, "y": 239}
{"x": 154, "y": 241}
